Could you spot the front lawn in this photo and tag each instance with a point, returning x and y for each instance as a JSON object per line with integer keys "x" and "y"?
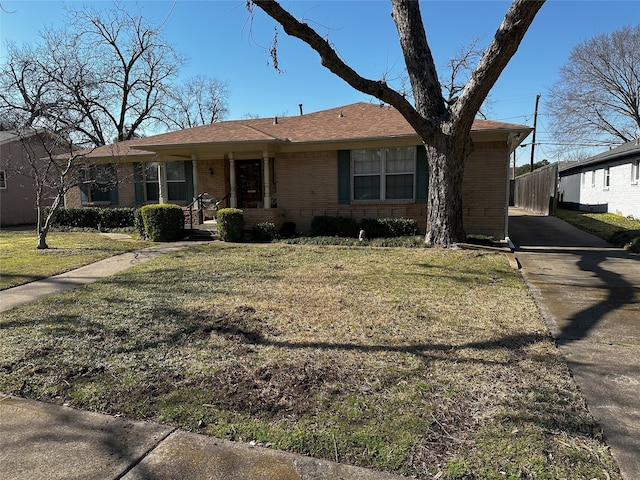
{"x": 21, "y": 263}
{"x": 423, "y": 362}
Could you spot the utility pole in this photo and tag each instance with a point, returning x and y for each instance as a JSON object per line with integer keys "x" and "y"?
{"x": 535, "y": 121}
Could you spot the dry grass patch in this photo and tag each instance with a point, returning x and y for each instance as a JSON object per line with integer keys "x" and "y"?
{"x": 419, "y": 361}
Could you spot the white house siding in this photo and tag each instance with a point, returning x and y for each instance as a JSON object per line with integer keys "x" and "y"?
{"x": 569, "y": 189}
{"x": 622, "y": 196}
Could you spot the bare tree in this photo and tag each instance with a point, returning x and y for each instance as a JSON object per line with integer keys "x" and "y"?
{"x": 54, "y": 166}
{"x": 444, "y": 128}
{"x": 199, "y": 101}
{"x": 597, "y": 97}
{"x": 109, "y": 75}
{"x": 457, "y": 70}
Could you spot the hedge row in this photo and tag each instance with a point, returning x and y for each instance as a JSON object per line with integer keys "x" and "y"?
{"x": 158, "y": 223}
{"x": 94, "y": 217}
{"x": 327, "y": 226}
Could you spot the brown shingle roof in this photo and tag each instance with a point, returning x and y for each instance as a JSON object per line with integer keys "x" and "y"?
{"x": 357, "y": 121}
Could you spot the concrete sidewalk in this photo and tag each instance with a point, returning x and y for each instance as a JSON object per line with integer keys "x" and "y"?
{"x": 40, "y": 440}
{"x": 589, "y": 294}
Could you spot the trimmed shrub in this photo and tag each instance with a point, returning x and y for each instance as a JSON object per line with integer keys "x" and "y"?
{"x": 230, "y": 224}
{"x": 117, "y": 217}
{"x": 138, "y": 223}
{"x": 327, "y": 226}
{"x": 287, "y": 230}
{"x": 374, "y": 228}
{"x": 399, "y": 227}
{"x": 163, "y": 222}
{"x": 264, "y": 232}
{"x": 94, "y": 217}
{"x": 389, "y": 227}
{"x": 84, "y": 217}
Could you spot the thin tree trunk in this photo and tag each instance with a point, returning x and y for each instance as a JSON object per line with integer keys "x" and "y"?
{"x": 42, "y": 231}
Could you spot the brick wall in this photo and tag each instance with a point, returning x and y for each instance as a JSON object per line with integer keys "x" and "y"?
{"x": 305, "y": 190}
{"x": 484, "y": 190}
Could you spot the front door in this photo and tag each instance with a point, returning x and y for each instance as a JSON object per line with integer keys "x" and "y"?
{"x": 249, "y": 183}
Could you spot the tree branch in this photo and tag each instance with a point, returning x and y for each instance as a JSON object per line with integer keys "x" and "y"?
{"x": 330, "y": 60}
{"x": 504, "y": 45}
{"x": 421, "y": 69}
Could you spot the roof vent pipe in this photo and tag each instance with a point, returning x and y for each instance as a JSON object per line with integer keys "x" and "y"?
{"x": 300, "y": 105}
{"x": 275, "y": 120}
{"x": 341, "y": 115}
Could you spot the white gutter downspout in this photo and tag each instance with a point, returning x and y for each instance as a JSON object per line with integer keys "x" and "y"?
{"x": 267, "y": 180}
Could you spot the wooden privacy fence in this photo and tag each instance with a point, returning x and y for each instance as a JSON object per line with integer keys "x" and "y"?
{"x": 537, "y": 191}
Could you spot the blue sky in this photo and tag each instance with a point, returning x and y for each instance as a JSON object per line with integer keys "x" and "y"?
{"x": 220, "y": 41}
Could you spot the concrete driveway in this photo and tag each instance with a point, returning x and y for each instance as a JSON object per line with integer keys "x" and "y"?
{"x": 589, "y": 293}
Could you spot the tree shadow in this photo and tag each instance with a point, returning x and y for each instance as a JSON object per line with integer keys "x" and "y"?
{"x": 620, "y": 293}
{"x": 550, "y": 236}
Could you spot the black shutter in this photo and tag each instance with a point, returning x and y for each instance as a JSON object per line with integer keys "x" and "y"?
{"x": 422, "y": 175}
{"x": 344, "y": 177}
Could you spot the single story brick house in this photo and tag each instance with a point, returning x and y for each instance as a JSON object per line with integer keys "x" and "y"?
{"x": 361, "y": 160}
{"x": 607, "y": 182}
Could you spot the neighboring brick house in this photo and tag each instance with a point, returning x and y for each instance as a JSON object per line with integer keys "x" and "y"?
{"x": 360, "y": 160}
{"x": 608, "y": 182}
{"x": 17, "y": 186}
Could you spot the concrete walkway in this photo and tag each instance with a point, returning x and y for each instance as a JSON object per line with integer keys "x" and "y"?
{"x": 33, "y": 291}
{"x": 40, "y": 440}
{"x": 589, "y": 293}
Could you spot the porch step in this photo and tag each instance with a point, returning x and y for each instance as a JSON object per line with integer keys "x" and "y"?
{"x": 205, "y": 231}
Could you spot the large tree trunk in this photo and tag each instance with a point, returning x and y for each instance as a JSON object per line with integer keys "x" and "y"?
{"x": 444, "y": 202}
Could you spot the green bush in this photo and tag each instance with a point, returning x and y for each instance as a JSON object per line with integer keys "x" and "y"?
{"x": 230, "y": 224}
{"x": 117, "y": 217}
{"x": 327, "y": 226}
{"x": 287, "y": 230}
{"x": 83, "y": 217}
{"x": 374, "y": 228}
{"x": 264, "y": 232}
{"x": 163, "y": 222}
{"x": 399, "y": 227}
{"x": 94, "y": 217}
{"x": 138, "y": 223}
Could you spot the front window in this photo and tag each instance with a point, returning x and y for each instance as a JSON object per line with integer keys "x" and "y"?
{"x": 147, "y": 186}
{"x": 635, "y": 171}
{"x": 3, "y": 180}
{"x": 99, "y": 183}
{"x": 176, "y": 181}
{"x": 384, "y": 174}
{"x": 607, "y": 177}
